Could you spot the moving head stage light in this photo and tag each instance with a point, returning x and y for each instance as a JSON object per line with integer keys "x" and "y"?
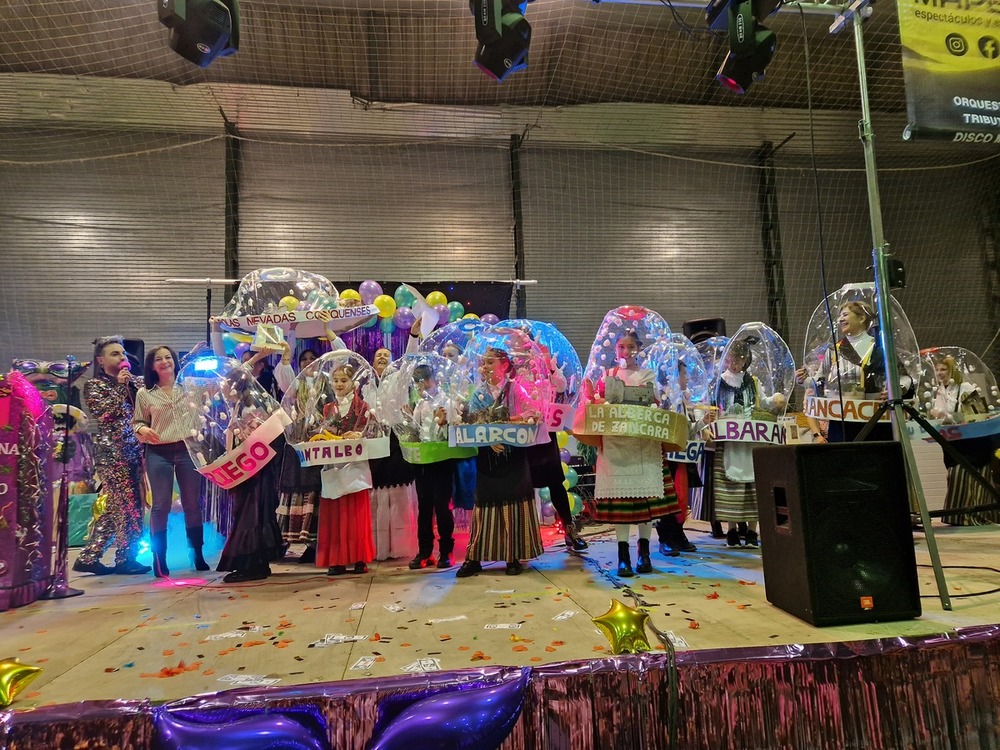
{"x": 202, "y": 30}
{"x": 503, "y": 36}
{"x": 751, "y": 45}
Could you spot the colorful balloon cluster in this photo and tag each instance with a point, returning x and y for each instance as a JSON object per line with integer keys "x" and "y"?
{"x": 571, "y": 479}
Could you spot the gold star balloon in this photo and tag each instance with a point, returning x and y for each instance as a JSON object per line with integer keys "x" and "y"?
{"x": 624, "y": 627}
{"x": 14, "y": 676}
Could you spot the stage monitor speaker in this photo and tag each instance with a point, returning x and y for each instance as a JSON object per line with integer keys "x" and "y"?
{"x": 704, "y": 328}
{"x": 835, "y": 532}
{"x": 135, "y": 350}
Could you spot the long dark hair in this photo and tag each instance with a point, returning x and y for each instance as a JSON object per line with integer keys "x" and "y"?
{"x": 150, "y": 378}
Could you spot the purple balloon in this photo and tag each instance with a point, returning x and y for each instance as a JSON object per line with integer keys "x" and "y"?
{"x": 404, "y": 317}
{"x": 369, "y": 290}
{"x": 489, "y": 319}
{"x": 469, "y": 719}
{"x": 266, "y": 730}
{"x": 565, "y": 455}
{"x": 444, "y": 314}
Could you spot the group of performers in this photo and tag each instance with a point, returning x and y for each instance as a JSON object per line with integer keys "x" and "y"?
{"x": 360, "y": 446}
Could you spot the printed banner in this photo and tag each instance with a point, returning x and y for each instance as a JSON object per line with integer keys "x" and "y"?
{"x": 631, "y": 420}
{"x": 559, "y": 416}
{"x": 690, "y": 455}
{"x": 433, "y": 452}
{"x": 352, "y": 316}
{"x": 981, "y": 428}
{"x": 748, "y": 431}
{"x": 242, "y": 462}
{"x": 476, "y": 435}
{"x": 951, "y": 69}
{"x": 323, "y": 452}
{"x": 855, "y": 410}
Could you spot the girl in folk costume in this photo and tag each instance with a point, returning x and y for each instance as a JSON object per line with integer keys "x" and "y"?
{"x": 345, "y": 515}
{"x": 738, "y": 394}
{"x": 504, "y": 522}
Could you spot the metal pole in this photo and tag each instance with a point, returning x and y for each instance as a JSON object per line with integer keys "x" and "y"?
{"x": 879, "y": 253}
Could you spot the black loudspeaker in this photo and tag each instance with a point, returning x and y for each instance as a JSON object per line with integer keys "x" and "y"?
{"x": 835, "y": 532}
{"x": 135, "y": 350}
{"x": 704, "y": 328}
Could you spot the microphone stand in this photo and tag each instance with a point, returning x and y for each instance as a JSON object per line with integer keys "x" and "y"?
{"x": 58, "y": 586}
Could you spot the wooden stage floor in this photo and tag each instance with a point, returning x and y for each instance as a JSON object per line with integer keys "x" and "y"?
{"x": 136, "y": 637}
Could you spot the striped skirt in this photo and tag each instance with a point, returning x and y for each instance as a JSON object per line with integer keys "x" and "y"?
{"x": 671, "y": 497}
{"x": 297, "y": 517}
{"x": 965, "y": 492}
{"x": 505, "y": 532}
{"x": 731, "y": 501}
{"x": 623, "y": 510}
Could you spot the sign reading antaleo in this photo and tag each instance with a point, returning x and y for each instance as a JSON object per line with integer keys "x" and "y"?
{"x": 951, "y": 68}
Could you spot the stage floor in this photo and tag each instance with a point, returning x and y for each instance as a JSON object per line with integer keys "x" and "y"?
{"x": 137, "y": 637}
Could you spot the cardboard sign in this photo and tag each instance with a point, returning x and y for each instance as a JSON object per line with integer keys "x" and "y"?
{"x": 242, "y": 462}
{"x": 631, "y": 420}
{"x": 691, "y": 454}
{"x": 287, "y": 317}
{"x": 733, "y": 430}
{"x": 855, "y": 410}
{"x": 476, "y": 435}
{"x": 980, "y": 428}
{"x": 558, "y": 416}
{"x": 324, "y": 452}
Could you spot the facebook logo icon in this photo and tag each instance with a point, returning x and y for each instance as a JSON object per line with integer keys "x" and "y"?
{"x": 989, "y": 47}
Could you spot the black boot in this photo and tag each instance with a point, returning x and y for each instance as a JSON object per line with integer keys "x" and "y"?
{"x": 644, "y": 564}
{"x": 624, "y": 561}
{"x": 717, "y": 532}
{"x": 673, "y": 531}
{"x": 196, "y": 536}
{"x": 158, "y": 544}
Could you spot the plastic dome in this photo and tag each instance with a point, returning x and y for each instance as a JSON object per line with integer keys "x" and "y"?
{"x": 648, "y": 325}
{"x": 450, "y": 340}
{"x": 757, "y": 350}
{"x": 332, "y": 407}
{"x": 711, "y": 350}
{"x": 956, "y": 387}
{"x": 289, "y": 298}
{"x": 232, "y": 420}
{"x": 681, "y": 378}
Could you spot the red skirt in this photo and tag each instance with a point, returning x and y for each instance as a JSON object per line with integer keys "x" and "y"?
{"x": 345, "y": 530}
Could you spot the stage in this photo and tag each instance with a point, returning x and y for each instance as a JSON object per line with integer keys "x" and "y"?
{"x": 142, "y": 639}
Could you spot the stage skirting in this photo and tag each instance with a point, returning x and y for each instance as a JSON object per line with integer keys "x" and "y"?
{"x": 930, "y": 692}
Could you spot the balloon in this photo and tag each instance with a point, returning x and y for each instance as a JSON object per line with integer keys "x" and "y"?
{"x": 436, "y": 298}
{"x": 490, "y": 319}
{"x": 349, "y": 294}
{"x": 545, "y": 494}
{"x": 572, "y": 477}
{"x": 404, "y": 297}
{"x": 386, "y": 325}
{"x": 289, "y": 302}
{"x": 565, "y": 455}
{"x": 375, "y": 319}
{"x": 565, "y": 468}
{"x": 386, "y": 305}
{"x": 562, "y": 438}
{"x": 269, "y": 728}
{"x": 456, "y": 311}
{"x": 444, "y": 314}
{"x": 404, "y": 317}
{"x": 470, "y": 316}
{"x": 14, "y": 677}
{"x": 369, "y": 290}
{"x": 240, "y": 349}
{"x": 624, "y": 628}
{"x": 575, "y": 504}
{"x": 469, "y": 719}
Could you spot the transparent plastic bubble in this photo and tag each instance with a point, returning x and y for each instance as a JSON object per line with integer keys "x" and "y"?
{"x": 230, "y": 405}
{"x": 420, "y": 395}
{"x": 510, "y": 378}
{"x": 681, "y": 381}
{"x": 853, "y": 312}
{"x": 333, "y": 398}
{"x": 711, "y": 350}
{"x": 564, "y": 363}
{"x": 450, "y": 341}
{"x": 285, "y": 293}
{"x": 646, "y": 326}
{"x": 756, "y": 375}
{"x": 963, "y": 388}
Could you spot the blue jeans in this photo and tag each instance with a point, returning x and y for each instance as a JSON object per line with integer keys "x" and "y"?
{"x": 162, "y": 461}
